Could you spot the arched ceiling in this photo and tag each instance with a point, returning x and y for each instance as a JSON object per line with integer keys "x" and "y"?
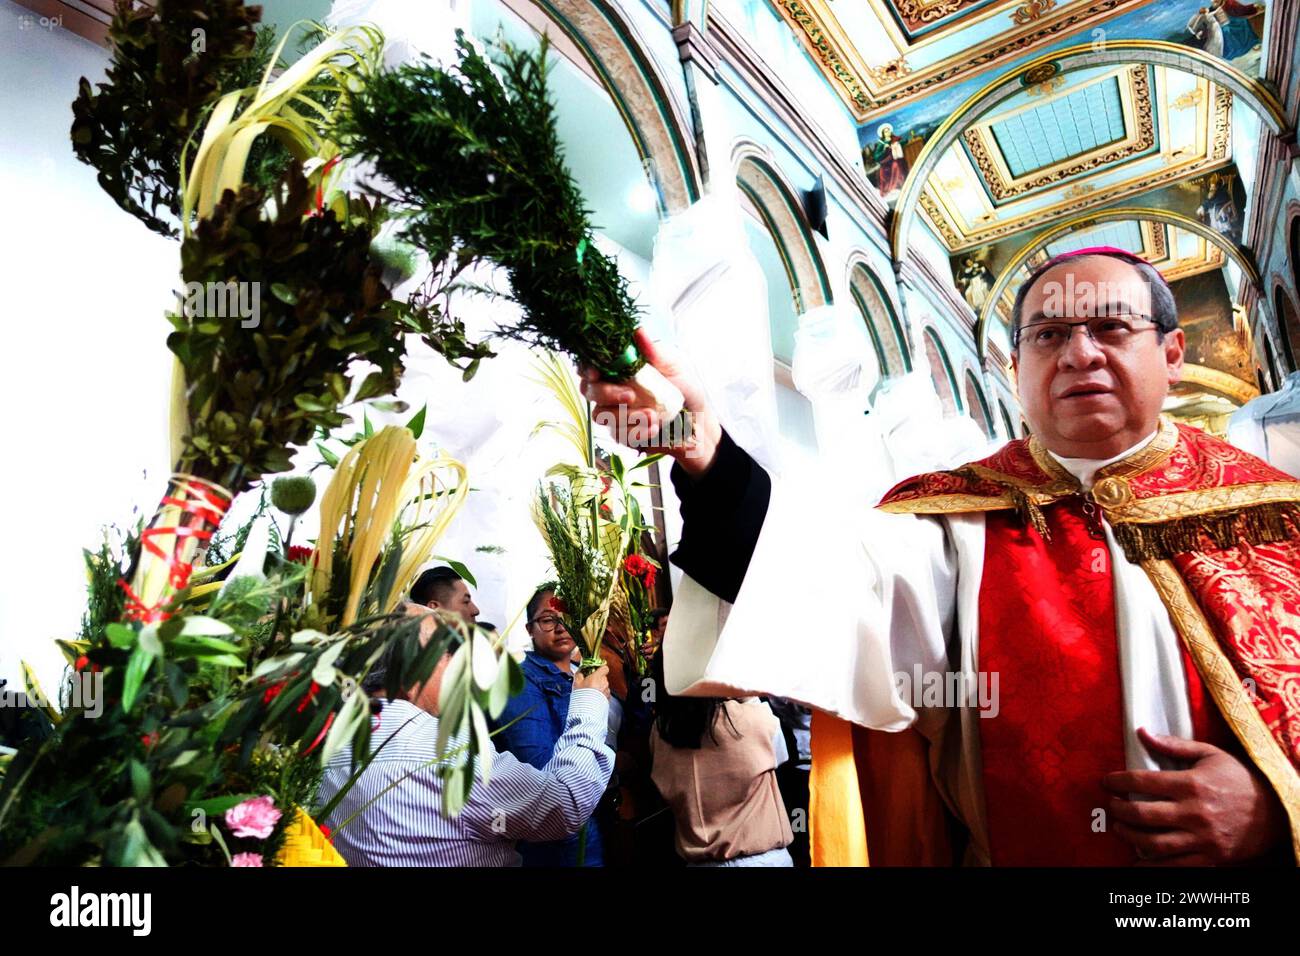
{"x": 1165, "y": 119}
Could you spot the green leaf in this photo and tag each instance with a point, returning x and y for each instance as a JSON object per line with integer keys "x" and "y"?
{"x": 375, "y": 384}
{"x": 136, "y": 669}
{"x": 120, "y": 635}
{"x": 367, "y": 429}
{"x": 416, "y": 424}
{"x": 327, "y": 456}
{"x": 284, "y": 293}
{"x": 388, "y": 573}
{"x": 458, "y": 568}
{"x": 499, "y": 693}
{"x": 216, "y": 806}
{"x": 140, "y": 780}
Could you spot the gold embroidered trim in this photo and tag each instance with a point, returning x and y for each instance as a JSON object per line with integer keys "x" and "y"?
{"x": 1050, "y": 465}
{"x": 1148, "y": 456}
{"x": 1208, "y": 501}
{"x": 946, "y": 504}
{"x": 1252, "y": 526}
{"x": 1227, "y": 689}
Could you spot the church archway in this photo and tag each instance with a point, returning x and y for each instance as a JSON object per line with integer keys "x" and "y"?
{"x": 1006, "y": 419}
{"x": 1288, "y": 324}
{"x": 1081, "y": 56}
{"x": 977, "y": 406}
{"x": 1043, "y": 239}
{"x": 881, "y": 319}
{"x": 609, "y": 42}
{"x": 773, "y": 197}
{"x": 941, "y": 372}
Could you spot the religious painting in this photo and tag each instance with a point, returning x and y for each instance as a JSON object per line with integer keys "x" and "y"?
{"x": 1228, "y": 29}
{"x": 1223, "y": 203}
{"x": 885, "y": 163}
{"x": 975, "y": 282}
{"x": 887, "y": 158}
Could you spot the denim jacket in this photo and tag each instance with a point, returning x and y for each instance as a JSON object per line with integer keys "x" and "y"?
{"x": 541, "y": 709}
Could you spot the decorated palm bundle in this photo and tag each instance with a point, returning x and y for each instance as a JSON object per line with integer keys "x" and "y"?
{"x": 588, "y": 515}
{"x": 472, "y": 156}
{"x": 202, "y": 700}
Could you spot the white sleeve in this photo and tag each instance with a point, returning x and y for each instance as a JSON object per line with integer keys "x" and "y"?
{"x": 835, "y": 603}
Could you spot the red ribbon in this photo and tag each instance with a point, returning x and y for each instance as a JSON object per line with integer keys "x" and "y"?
{"x": 207, "y": 504}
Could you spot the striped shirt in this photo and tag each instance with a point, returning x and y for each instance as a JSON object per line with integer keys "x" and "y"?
{"x": 404, "y": 826}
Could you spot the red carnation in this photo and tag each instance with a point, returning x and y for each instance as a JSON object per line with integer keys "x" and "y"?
{"x": 298, "y": 554}
{"x": 82, "y": 661}
{"x": 558, "y": 606}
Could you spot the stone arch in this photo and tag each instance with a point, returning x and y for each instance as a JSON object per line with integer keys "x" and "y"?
{"x": 941, "y": 372}
{"x": 1293, "y": 246}
{"x": 1270, "y": 358}
{"x": 782, "y": 213}
{"x": 1006, "y": 419}
{"x": 977, "y": 405}
{"x": 1081, "y": 56}
{"x": 987, "y": 315}
{"x": 1286, "y": 319}
{"x": 617, "y": 54}
{"x": 881, "y": 318}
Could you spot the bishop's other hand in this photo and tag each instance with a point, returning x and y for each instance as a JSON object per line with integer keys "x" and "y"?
{"x": 638, "y": 419}
{"x": 1218, "y": 811}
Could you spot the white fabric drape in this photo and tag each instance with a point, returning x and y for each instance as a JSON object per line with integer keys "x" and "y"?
{"x": 886, "y": 594}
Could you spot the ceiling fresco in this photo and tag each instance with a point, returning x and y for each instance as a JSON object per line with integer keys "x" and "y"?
{"x": 1067, "y": 144}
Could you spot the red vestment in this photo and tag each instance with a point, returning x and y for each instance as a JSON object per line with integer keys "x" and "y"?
{"x": 1218, "y": 533}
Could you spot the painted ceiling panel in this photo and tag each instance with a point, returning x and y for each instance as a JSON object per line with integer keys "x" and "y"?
{"x": 1122, "y": 235}
{"x": 1064, "y": 128}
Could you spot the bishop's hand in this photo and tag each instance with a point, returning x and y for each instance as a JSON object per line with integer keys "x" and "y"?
{"x": 1218, "y": 811}
{"x": 637, "y": 418}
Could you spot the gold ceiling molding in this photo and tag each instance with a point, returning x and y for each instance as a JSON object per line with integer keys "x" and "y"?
{"x": 918, "y": 13}
{"x": 1154, "y": 241}
{"x": 828, "y": 49}
{"x": 1215, "y": 154}
{"x": 869, "y": 92}
{"x": 1229, "y": 386}
{"x": 1140, "y": 129}
{"x": 1031, "y": 11}
{"x": 1211, "y": 257}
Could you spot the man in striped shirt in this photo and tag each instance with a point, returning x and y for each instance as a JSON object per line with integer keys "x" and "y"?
{"x": 404, "y": 827}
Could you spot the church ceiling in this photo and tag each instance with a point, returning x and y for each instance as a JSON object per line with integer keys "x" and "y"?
{"x": 1140, "y": 136}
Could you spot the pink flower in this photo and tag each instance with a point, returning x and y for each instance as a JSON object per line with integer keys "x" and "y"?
{"x": 253, "y": 818}
{"x": 246, "y": 859}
